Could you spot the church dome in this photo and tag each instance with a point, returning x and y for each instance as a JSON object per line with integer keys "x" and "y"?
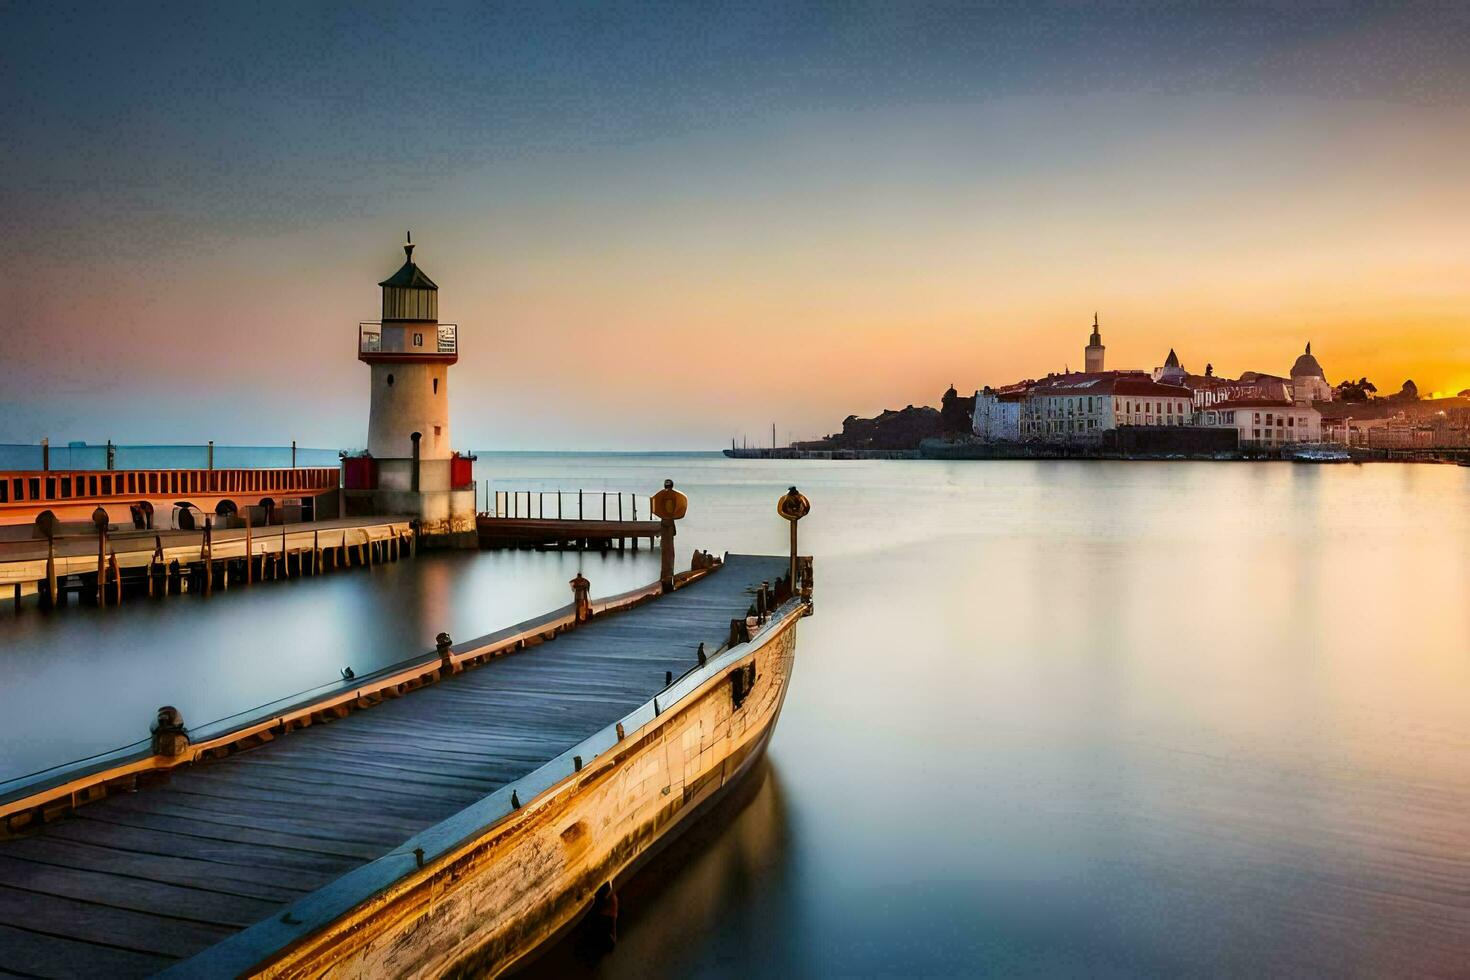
{"x": 1306, "y": 366}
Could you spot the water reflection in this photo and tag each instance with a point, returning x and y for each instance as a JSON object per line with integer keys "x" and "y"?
{"x": 725, "y": 880}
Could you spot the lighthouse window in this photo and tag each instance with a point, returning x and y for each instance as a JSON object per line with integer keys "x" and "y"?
{"x": 390, "y": 381}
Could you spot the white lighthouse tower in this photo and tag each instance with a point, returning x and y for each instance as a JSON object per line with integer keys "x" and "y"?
{"x": 413, "y": 470}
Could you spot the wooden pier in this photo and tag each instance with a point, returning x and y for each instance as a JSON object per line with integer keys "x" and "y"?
{"x": 457, "y": 824}
{"x": 104, "y": 567}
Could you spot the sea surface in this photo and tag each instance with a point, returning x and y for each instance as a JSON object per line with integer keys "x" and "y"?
{"x": 1050, "y": 717}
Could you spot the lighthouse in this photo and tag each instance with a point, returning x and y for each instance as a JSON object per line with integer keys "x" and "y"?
{"x": 413, "y": 470}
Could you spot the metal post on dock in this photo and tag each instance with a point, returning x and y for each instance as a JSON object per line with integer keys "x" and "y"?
{"x": 669, "y": 505}
{"x": 293, "y": 454}
{"x": 793, "y": 507}
{"x": 46, "y": 455}
{"x": 249, "y": 550}
{"x": 211, "y": 454}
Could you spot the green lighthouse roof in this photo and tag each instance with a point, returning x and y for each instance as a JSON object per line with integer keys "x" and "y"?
{"x": 410, "y": 276}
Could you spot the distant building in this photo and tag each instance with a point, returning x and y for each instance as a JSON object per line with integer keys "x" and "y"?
{"x": 998, "y": 413}
{"x": 1078, "y": 408}
{"x": 1266, "y": 423}
{"x": 1172, "y": 373}
{"x": 1210, "y": 390}
{"x": 1308, "y": 383}
{"x": 1093, "y": 354}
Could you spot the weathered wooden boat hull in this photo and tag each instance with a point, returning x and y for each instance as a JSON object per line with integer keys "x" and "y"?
{"x": 512, "y": 884}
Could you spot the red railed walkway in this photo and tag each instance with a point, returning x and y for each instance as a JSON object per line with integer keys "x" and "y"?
{"x": 73, "y": 495}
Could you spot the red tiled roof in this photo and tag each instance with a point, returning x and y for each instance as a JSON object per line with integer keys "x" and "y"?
{"x": 1134, "y": 383}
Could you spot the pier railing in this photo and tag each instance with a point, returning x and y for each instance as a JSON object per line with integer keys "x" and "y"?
{"x": 566, "y": 505}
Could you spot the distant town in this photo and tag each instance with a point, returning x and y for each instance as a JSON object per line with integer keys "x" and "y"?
{"x": 1168, "y": 412}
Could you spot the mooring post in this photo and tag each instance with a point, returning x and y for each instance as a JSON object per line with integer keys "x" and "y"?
{"x": 211, "y": 454}
{"x": 581, "y": 598}
{"x": 669, "y": 505}
{"x": 170, "y": 737}
{"x": 316, "y": 552}
{"x": 249, "y": 549}
{"x": 284, "y": 566}
{"x": 116, "y": 579}
{"x": 46, "y": 454}
{"x": 443, "y": 643}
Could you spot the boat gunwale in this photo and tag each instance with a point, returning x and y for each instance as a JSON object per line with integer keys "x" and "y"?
{"x": 262, "y": 946}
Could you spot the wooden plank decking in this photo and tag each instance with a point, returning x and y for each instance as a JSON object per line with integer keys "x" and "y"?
{"x": 128, "y": 885}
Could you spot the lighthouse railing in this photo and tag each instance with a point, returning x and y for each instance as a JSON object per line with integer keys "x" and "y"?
{"x": 369, "y": 338}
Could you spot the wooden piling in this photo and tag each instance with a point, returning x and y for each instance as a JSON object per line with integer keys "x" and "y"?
{"x": 249, "y": 551}
{"x": 116, "y": 580}
{"x": 206, "y": 555}
{"x": 101, "y": 562}
{"x": 50, "y": 571}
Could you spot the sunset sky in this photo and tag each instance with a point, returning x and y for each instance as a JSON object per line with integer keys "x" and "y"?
{"x": 661, "y": 226}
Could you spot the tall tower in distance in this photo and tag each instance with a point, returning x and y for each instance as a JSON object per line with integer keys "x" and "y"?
{"x": 1095, "y": 349}
{"x": 413, "y": 470}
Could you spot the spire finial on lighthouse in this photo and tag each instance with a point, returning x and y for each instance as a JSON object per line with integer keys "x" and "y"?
{"x": 408, "y": 245}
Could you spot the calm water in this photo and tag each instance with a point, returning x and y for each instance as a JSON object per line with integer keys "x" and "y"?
{"x": 1050, "y": 718}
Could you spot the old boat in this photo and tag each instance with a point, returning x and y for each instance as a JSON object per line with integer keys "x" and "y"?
{"x": 447, "y": 816}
